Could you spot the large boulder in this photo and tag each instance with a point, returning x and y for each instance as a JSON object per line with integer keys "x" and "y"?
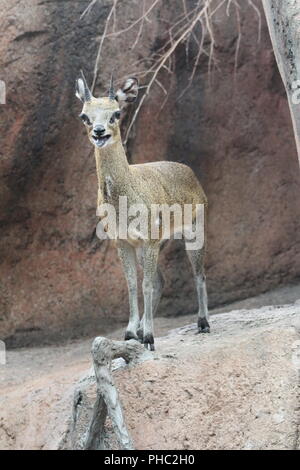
{"x": 237, "y": 388}
{"x": 232, "y": 127}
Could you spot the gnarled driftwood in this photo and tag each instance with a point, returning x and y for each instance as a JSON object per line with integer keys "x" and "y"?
{"x": 107, "y": 401}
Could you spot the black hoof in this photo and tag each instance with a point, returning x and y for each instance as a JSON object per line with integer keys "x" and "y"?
{"x": 129, "y": 335}
{"x": 148, "y": 341}
{"x": 203, "y": 326}
{"x": 204, "y": 330}
{"x": 149, "y": 346}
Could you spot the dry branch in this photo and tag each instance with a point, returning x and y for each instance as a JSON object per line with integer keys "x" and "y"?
{"x": 182, "y": 30}
{"x": 107, "y": 402}
{"x": 104, "y": 35}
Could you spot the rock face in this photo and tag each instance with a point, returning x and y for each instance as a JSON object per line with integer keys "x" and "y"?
{"x": 237, "y": 388}
{"x": 57, "y": 279}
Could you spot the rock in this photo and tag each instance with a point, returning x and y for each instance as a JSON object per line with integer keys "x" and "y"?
{"x": 237, "y": 388}
{"x": 57, "y": 280}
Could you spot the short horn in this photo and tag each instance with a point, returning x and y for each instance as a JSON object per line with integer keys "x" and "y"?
{"x": 87, "y": 93}
{"x": 111, "y": 92}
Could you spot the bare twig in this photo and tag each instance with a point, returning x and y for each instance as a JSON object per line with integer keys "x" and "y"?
{"x": 258, "y": 17}
{"x": 104, "y": 35}
{"x": 239, "y": 38}
{"x": 136, "y": 22}
{"x": 144, "y": 16}
{"x": 88, "y": 8}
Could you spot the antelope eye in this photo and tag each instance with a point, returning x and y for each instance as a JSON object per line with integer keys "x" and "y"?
{"x": 85, "y": 119}
{"x": 115, "y": 116}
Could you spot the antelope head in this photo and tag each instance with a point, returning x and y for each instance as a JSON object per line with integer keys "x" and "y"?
{"x": 101, "y": 116}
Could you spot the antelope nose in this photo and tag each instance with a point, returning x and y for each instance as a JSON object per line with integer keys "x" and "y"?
{"x": 99, "y": 130}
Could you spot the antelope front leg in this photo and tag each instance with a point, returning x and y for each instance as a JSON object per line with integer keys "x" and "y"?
{"x": 156, "y": 296}
{"x": 150, "y": 260}
{"x": 128, "y": 257}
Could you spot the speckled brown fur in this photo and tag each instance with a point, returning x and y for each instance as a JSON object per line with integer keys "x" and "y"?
{"x": 149, "y": 183}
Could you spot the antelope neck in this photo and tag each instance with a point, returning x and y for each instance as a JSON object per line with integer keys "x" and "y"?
{"x": 111, "y": 161}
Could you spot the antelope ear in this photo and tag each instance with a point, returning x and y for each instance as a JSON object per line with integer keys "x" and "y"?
{"x": 80, "y": 90}
{"x": 129, "y": 91}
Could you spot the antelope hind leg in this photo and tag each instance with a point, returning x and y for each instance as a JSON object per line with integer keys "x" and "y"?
{"x": 196, "y": 258}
